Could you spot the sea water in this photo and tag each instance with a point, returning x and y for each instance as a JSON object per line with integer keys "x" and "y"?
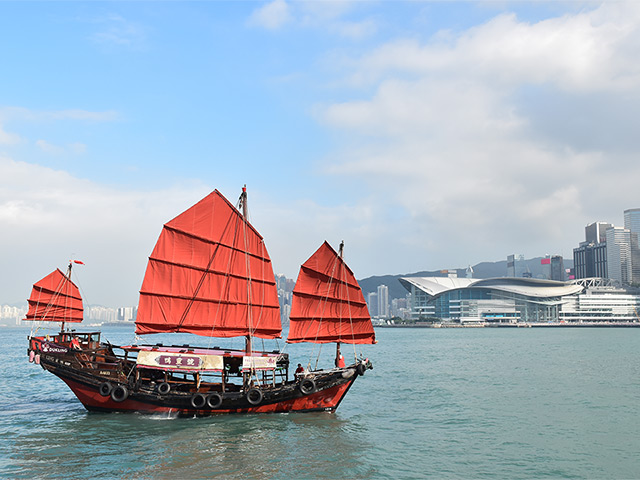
{"x": 439, "y": 403}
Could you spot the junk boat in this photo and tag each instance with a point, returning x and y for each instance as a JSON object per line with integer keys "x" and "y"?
{"x": 209, "y": 275}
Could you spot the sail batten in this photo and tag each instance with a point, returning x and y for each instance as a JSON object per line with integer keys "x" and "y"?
{"x": 328, "y": 304}
{"x": 213, "y": 242}
{"x": 209, "y": 274}
{"x": 212, "y": 271}
{"x": 55, "y": 298}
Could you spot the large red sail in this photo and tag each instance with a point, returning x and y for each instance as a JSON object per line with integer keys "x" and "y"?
{"x": 55, "y": 298}
{"x": 328, "y": 305}
{"x": 210, "y": 274}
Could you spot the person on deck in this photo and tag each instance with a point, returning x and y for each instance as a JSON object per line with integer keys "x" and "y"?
{"x": 300, "y": 369}
{"x": 340, "y": 361}
{"x": 75, "y": 344}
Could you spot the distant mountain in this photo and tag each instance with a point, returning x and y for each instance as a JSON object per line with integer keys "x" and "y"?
{"x": 481, "y": 270}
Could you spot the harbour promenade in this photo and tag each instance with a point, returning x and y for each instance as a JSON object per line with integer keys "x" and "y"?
{"x": 514, "y": 325}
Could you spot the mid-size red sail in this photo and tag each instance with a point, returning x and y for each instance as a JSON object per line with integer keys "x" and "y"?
{"x": 210, "y": 274}
{"x": 55, "y": 298}
{"x": 328, "y": 304}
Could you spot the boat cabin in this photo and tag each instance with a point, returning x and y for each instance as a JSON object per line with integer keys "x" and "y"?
{"x": 70, "y": 340}
{"x": 223, "y": 370}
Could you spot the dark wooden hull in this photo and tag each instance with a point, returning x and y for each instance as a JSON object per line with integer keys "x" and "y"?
{"x": 106, "y": 387}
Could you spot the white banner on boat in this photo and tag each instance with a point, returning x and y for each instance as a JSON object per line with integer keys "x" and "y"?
{"x": 259, "y": 363}
{"x": 180, "y": 361}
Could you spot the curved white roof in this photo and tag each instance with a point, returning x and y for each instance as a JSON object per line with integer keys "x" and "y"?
{"x": 436, "y": 285}
{"x": 529, "y": 287}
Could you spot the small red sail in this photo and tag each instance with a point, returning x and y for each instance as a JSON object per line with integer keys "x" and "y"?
{"x": 328, "y": 304}
{"x": 210, "y": 274}
{"x": 55, "y": 298}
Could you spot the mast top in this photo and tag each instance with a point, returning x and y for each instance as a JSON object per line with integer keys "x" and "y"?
{"x": 243, "y": 202}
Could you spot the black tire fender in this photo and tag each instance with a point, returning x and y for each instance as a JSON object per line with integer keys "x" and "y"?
{"x": 164, "y": 388}
{"x": 254, "y": 396}
{"x": 361, "y": 369}
{"x": 307, "y": 386}
{"x": 119, "y": 393}
{"x": 105, "y": 389}
{"x": 198, "y": 400}
{"x": 214, "y": 400}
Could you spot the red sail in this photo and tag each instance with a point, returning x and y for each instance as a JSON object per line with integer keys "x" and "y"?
{"x": 210, "y": 274}
{"x": 55, "y": 298}
{"x": 328, "y": 305}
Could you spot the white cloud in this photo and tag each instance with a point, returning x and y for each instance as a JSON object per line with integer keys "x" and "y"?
{"x": 453, "y": 134}
{"x": 355, "y": 30}
{"x": 586, "y": 51}
{"x": 294, "y": 230}
{"x": 32, "y": 117}
{"x": 77, "y": 148}
{"x": 327, "y": 16}
{"x": 48, "y": 215}
{"x": 271, "y": 16}
{"x": 49, "y": 147}
{"x": 8, "y": 138}
{"x": 21, "y": 113}
{"x": 119, "y": 31}
{"x": 52, "y": 149}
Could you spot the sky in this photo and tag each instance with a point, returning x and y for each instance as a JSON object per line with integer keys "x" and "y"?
{"x": 426, "y": 135}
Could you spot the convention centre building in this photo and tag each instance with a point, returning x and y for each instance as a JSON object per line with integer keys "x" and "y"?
{"x": 519, "y": 300}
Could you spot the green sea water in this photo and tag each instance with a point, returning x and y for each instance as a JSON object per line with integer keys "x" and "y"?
{"x": 439, "y": 403}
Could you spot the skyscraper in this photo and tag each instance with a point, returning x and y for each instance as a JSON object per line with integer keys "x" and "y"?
{"x": 590, "y": 258}
{"x": 619, "y": 254}
{"x": 632, "y": 223}
{"x": 557, "y": 268}
{"x": 596, "y": 232}
{"x": 383, "y": 301}
{"x": 516, "y": 266}
{"x": 590, "y": 261}
{"x": 372, "y": 303}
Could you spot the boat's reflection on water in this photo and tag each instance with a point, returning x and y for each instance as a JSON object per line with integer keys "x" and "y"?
{"x": 312, "y": 445}
{"x": 308, "y": 445}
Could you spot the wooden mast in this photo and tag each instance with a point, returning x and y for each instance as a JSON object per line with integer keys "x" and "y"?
{"x": 245, "y": 214}
{"x": 248, "y": 343}
{"x": 337, "y": 362}
{"x": 69, "y": 277}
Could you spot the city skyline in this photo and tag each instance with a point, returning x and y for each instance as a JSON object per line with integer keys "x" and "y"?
{"x": 423, "y": 134}
{"x": 596, "y": 234}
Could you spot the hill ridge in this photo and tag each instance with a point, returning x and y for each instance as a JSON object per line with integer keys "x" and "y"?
{"x": 480, "y": 270}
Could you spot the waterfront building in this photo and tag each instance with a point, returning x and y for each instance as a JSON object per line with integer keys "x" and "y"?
{"x": 98, "y": 313}
{"x": 12, "y": 315}
{"x": 383, "y": 301}
{"x": 596, "y": 232}
{"x": 545, "y": 266}
{"x": 285, "y": 312}
{"x": 401, "y": 307}
{"x": 632, "y": 223}
{"x": 372, "y": 304}
{"x": 495, "y": 300}
{"x": 601, "y": 301}
{"x": 619, "y": 255}
{"x": 521, "y": 300}
{"x": 557, "y": 268}
{"x": 590, "y": 260}
{"x": 127, "y": 314}
{"x": 516, "y": 266}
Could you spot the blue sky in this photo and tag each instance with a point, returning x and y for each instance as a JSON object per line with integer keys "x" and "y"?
{"x": 427, "y": 135}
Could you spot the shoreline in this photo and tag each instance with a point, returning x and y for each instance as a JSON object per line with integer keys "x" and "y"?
{"x": 517, "y": 325}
